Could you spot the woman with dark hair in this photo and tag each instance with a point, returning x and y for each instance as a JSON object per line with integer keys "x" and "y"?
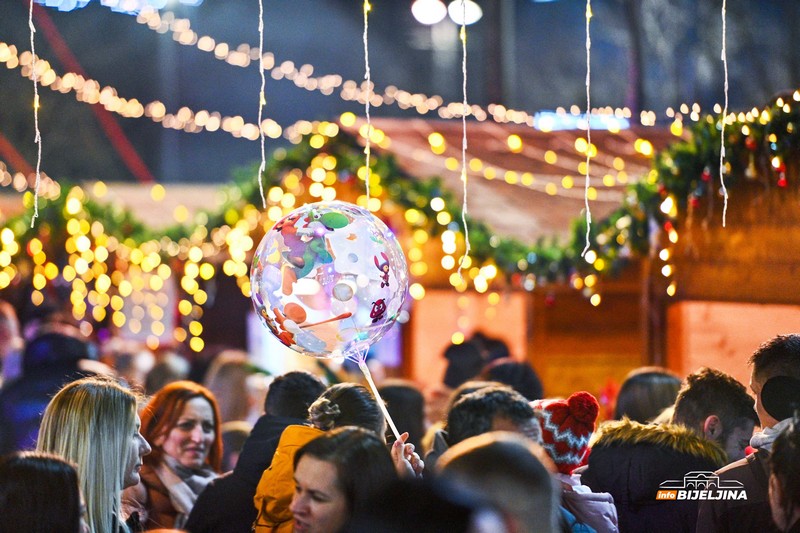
{"x": 646, "y": 392}
{"x": 39, "y": 493}
{"x": 343, "y": 404}
{"x": 182, "y": 423}
{"x": 784, "y": 480}
{"x": 335, "y": 475}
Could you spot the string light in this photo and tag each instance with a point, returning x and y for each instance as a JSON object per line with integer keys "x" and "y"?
{"x": 38, "y": 135}
{"x": 243, "y": 54}
{"x": 723, "y": 120}
{"x": 465, "y": 107}
{"x": 262, "y": 101}
{"x": 588, "y": 124}
{"x": 368, "y": 78}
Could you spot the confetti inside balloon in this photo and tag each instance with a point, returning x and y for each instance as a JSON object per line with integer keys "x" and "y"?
{"x": 329, "y": 279}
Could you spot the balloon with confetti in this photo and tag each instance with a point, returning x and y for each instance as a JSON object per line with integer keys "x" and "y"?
{"x": 329, "y": 279}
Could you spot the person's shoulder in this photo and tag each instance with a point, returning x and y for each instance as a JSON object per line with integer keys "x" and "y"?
{"x": 297, "y": 435}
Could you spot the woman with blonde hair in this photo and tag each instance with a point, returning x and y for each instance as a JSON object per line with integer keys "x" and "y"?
{"x": 93, "y": 423}
{"x": 182, "y": 422}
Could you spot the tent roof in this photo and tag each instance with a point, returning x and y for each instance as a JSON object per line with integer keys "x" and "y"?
{"x": 526, "y": 212}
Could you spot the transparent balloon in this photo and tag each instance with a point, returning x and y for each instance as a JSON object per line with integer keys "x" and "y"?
{"x": 329, "y": 280}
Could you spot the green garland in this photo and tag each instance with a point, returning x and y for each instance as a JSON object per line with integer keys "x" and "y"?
{"x": 764, "y": 147}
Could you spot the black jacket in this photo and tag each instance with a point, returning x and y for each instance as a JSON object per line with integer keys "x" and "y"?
{"x": 631, "y": 460}
{"x": 226, "y": 504}
{"x": 752, "y": 514}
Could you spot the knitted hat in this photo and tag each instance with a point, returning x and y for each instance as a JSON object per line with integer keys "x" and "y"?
{"x": 567, "y": 426}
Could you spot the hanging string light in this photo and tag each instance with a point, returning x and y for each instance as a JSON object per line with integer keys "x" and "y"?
{"x": 368, "y": 97}
{"x": 465, "y": 107}
{"x": 262, "y": 101}
{"x": 38, "y": 135}
{"x": 724, "y": 119}
{"x": 588, "y": 124}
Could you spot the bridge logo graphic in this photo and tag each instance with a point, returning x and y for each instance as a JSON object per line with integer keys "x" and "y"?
{"x": 701, "y": 485}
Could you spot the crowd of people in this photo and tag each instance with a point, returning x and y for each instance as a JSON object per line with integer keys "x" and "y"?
{"x": 124, "y": 441}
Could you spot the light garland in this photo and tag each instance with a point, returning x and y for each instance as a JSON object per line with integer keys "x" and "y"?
{"x": 723, "y": 119}
{"x": 38, "y": 135}
{"x": 463, "y": 38}
{"x": 262, "y": 101}
{"x": 368, "y": 78}
{"x": 243, "y": 54}
{"x": 89, "y": 91}
{"x": 588, "y": 125}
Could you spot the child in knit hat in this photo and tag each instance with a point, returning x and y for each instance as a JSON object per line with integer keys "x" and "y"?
{"x": 567, "y": 425}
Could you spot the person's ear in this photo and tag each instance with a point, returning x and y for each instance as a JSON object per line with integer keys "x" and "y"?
{"x": 712, "y": 427}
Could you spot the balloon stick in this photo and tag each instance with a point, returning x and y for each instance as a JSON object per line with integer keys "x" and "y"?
{"x": 362, "y": 364}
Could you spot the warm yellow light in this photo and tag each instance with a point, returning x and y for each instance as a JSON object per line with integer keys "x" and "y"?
{"x": 195, "y": 328}
{"x": 595, "y": 300}
{"x": 514, "y": 143}
{"x": 158, "y": 192}
{"x": 417, "y": 291}
{"x": 643, "y": 146}
{"x": 437, "y": 204}
{"x": 73, "y": 206}
{"x": 590, "y": 256}
{"x": 448, "y": 262}
{"x": 457, "y": 338}
{"x": 671, "y": 289}
{"x": 664, "y": 254}
{"x": 196, "y": 344}
{"x": 347, "y": 119}
{"x": 481, "y": 284}
{"x": 667, "y": 205}
{"x": 436, "y": 140}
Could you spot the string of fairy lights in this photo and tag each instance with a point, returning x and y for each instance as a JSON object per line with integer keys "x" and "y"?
{"x": 138, "y": 298}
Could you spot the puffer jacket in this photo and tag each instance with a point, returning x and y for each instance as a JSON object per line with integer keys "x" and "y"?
{"x": 276, "y": 488}
{"x": 630, "y": 460}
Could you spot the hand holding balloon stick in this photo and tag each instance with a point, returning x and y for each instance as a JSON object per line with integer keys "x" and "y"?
{"x": 328, "y": 280}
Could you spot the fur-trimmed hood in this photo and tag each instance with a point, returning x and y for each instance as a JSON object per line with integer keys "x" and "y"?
{"x": 631, "y": 460}
{"x": 678, "y": 438}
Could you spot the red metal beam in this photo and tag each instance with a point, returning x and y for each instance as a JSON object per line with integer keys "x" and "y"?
{"x": 14, "y": 159}
{"x": 112, "y": 129}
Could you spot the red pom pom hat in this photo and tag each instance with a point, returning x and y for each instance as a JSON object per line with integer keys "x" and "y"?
{"x": 567, "y": 426}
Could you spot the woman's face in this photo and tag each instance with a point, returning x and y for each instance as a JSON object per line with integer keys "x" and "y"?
{"x": 190, "y": 439}
{"x": 319, "y": 505}
{"x": 139, "y": 448}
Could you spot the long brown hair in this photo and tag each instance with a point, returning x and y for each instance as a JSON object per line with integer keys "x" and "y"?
{"x": 163, "y": 411}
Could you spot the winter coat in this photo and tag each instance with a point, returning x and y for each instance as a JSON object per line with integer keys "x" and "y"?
{"x": 276, "y": 489}
{"x": 226, "y": 504}
{"x": 752, "y": 514}
{"x": 630, "y": 460}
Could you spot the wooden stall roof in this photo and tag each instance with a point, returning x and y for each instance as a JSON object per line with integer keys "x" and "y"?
{"x": 526, "y": 212}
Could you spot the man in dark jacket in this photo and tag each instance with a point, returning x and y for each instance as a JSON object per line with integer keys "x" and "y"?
{"x": 717, "y": 407}
{"x": 631, "y": 461}
{"x": 226, "y": 504}
{"x": 778, "y": 357}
